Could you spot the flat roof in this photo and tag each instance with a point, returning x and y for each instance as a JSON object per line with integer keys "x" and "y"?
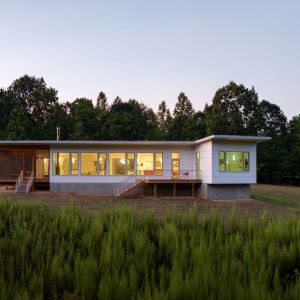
{"x": 236, "y": 138}
{"x": 114, "y": 142}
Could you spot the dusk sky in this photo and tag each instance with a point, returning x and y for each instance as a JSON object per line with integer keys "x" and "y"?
{"x": 152, "y": 50}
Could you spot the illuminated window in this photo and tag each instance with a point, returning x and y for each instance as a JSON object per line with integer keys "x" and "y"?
{"x": 102, "y": 164}
{"x": 145, "y": 165}
{"x": 175, "y": 164}
{"x": 89, "y": 164}
{"x": 117, "y": 164}
{"x": 74, "y": 163}
{"x": 234, "y": 161}
{"x": 130, "y": 164}
{"x": 46, "y": 167}
{"x": 61, "y": 163}
{"x": 175, "y": 155}
{"x": 158, "y": 164}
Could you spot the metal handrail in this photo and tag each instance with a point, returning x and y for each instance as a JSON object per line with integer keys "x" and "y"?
{"x": 124, "y": 184}
{"x": 30, "y": 182}
{"x": 19, "y": 181}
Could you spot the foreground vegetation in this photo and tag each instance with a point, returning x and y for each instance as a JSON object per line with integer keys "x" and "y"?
{"x": 119, "y": 255}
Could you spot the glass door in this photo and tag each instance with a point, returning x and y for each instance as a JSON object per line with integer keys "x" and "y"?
{"x": 175, "y": 165}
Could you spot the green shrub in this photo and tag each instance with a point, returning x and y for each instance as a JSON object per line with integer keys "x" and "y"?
{"x": 118, "y": 254}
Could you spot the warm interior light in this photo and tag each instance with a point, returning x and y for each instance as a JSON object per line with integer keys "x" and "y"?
{"x": 122, "y": 161}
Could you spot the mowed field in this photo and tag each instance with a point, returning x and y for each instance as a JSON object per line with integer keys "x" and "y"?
{"x": 287, "y": 197}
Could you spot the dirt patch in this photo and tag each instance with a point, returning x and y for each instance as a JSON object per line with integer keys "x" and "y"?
{"x": 160, "y": 206}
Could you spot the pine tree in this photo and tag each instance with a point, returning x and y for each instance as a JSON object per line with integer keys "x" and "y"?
{"x": 163, "y": 118}
{"x": 183, "y": 106}
{"x": 102, "y": 103}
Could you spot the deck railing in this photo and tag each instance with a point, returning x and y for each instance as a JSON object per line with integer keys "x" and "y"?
{"x": 132, "y": 180}
{"x": 19, "y": 181}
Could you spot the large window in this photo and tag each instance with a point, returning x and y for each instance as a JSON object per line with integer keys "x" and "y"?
{"x": 149, "y": 164}
{"x": 89, "y": 165}
{"x": 117, "y": 164}
{"x": 61, "y": 163}
{"x": 234, "y": 161}
{"x": 103, "y": 164}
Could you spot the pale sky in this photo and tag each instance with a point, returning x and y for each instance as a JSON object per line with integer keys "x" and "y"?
{"x": 152, "y": 50}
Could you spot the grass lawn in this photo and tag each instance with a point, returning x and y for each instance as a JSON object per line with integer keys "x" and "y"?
{"x": 283, "y": 196}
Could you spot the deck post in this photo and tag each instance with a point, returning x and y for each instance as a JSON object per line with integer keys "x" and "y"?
{"x": 155, "y": 190}
{"x": 193, "y": 189}
{"x": 174, "y": 189}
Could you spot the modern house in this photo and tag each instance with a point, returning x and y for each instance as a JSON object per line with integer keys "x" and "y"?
{"x": 215, "y": 167}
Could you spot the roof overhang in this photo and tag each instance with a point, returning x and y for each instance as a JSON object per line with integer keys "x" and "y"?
{"x": 97, "y": 143}
{"x": 234, "y": 138}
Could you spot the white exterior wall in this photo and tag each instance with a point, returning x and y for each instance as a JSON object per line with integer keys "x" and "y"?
{"x": 186, "y": 161}
{"x": 233, "y": 177}
{"x": 209, "y": 161}
{"x": 205, "y": 150}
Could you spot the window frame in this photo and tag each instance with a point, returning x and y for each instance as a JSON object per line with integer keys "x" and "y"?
{"x": 154, "y": 161}
{"x": 108, "y": 164}
{"x": 71, "y": 168}
{"x": 52, "y": 163}
{"x": 243, "y": 162}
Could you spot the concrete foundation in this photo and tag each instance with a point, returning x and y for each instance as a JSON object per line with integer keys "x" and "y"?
{"x": 224, "y": 191}
{"x": 105, "y": 189}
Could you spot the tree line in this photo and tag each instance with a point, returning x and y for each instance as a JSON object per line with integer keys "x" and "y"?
{"x": 29, "y": 110}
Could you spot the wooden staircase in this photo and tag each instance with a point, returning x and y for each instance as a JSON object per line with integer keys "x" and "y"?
{"x": 24, "y": 184}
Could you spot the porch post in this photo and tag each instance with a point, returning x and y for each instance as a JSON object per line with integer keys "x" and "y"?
{"x": 155, "y": 190}
{"x": 174, "y": 189}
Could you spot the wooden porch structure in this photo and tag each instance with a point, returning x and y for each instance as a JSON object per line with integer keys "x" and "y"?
{"x": 14, "y": 159}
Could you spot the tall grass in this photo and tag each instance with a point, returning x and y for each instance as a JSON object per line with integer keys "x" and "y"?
{"x": 119, "y": 255}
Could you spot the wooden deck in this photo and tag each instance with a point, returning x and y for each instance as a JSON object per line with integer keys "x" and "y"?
{"x": 172, "y": 181}
{"x": 166, "y": 187}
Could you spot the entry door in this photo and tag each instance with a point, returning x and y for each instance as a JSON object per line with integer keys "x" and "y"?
{"x": 42, "y": 164}
{"x": 175, "y": 168}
